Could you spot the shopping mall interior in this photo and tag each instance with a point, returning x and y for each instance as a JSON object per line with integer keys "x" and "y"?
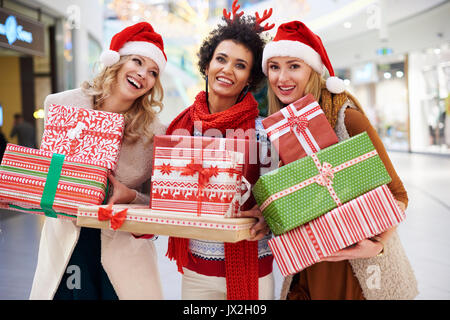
{"x": 394, "y": 56}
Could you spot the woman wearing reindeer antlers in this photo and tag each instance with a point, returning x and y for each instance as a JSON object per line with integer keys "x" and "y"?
{"x": 230, "y": 61}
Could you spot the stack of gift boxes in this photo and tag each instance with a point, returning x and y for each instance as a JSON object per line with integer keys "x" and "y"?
{"x": 197, "y": 182}
{"x": 79, "y": 146}
{"x": 328, "y": 195}
{"x": 198, "y": 186}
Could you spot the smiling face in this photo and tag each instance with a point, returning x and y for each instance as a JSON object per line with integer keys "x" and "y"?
{"x": 229, "y": 69}
{"x": 135, "y": 78}
{"x": 288, "y": 77}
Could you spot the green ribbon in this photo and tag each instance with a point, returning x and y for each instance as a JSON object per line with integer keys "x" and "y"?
{"x": 106, "y": 192}
{"x": 53, "y": 175}
{"x": 51, "y": 184}
{"x": 39, "y": 210}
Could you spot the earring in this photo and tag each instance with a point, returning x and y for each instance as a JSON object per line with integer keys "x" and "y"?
{"x": 206, "y": 90}
{"x": 243, "y": 93}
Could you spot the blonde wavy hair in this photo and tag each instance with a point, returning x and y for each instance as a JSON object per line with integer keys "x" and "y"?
{"x": 141, "y": 114}
{"x": 316, "y": 85}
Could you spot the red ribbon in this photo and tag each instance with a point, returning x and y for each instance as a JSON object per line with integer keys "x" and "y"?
{"x": 105, "y": 214}
{"x": 204, "y": 174}
{"x": 296, "y": 123}
{"x": 325, "y": 174}
{"x": 299, "y": 123}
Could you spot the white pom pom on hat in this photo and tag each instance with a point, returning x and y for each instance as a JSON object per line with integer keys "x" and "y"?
{"x": 139, "y": 39}
{"x": 109, "y": 57}
{"x": 335, "y": 85}
{"x": 295, "y": 39}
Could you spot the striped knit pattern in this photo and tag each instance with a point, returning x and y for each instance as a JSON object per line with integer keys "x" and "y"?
{"x": 23, "y": 174}
{"x": 361, "y": 218}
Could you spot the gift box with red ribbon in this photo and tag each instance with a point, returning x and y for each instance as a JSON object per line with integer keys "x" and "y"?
{"x": 43, "y": 182}
{"x": 141, "y": 219}
{"x": 299, "y": 129}
{"x": 309, "y": 187}
{"x": 366, "y": 216}
{"x": 199, "y": 176}
{"x": 84, "y": 134}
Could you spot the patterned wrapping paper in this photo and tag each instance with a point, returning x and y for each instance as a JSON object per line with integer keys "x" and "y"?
{"x": 84, "y": 134}
{"x": 361, "y": 218}
{"x": 309, "y": 187}
{"x": 24, "y": 175}
{"x": 299, "y": 129}
{"x": 198, "y": 176}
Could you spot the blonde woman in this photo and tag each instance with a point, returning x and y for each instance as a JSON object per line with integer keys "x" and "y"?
{"x": 294, "y": 63}
{"x": 84, "y": 263}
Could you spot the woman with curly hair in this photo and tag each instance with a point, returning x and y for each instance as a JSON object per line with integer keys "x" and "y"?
{"x": 229, "y": 60}
{"x": 84, "y": 263}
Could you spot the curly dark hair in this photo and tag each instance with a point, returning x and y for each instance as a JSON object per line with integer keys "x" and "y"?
{"x": 241, "y": 31}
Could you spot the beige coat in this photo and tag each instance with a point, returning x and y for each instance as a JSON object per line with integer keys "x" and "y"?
{"x": 130, "y": 263}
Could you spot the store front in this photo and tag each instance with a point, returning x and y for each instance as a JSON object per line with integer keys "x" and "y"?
{"x": 429, "y": 83}
{"x": 30, "y": 63}
{"x": 381, "y": 87}
{"x": 407, "y": 98}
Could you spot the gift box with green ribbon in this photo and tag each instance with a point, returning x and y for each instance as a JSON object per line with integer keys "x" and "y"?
{"x": 309, "y": 187}
{"x": 42, "y": 182}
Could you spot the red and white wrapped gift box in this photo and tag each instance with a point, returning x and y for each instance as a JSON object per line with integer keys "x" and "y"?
{"x": 43, "y": 182}
{"x": 198, "y": 176}
{"x": 84, "y": 134}
{"x": 362, "y": 218}
{"x": 299, "y": 129}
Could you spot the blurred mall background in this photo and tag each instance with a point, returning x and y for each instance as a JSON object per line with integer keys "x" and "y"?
{"x": 393, "y": 54}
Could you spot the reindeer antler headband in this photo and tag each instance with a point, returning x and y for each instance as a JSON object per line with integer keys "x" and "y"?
{"x": 258, "y": 20}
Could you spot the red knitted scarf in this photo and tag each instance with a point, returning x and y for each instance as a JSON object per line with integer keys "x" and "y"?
{"x": 241, "y": 259}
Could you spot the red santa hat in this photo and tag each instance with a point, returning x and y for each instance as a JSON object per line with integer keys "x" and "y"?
{"x": 139, "y": 39}
{"x": 294, "y": 39}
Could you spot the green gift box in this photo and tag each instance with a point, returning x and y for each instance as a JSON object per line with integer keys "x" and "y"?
{"x": 309, "y": 187}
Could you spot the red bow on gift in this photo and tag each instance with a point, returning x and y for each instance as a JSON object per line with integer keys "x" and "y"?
{"x": 105, "y": 214}
{"x": 299, "y": 123}
{"x": 325, "y": 174}
{"x": 204, "y": 174}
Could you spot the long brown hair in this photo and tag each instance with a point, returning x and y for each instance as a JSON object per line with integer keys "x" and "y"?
{"x": 139, "y": 117}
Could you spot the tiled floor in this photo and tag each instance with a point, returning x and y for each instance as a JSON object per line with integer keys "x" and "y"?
{"x": 425, "y": 235}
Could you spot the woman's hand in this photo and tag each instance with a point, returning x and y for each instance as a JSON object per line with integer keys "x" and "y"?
{"x": 363, "y": 249}
{"x": 260, "y": 228}
{"x": 121, "y": 193}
